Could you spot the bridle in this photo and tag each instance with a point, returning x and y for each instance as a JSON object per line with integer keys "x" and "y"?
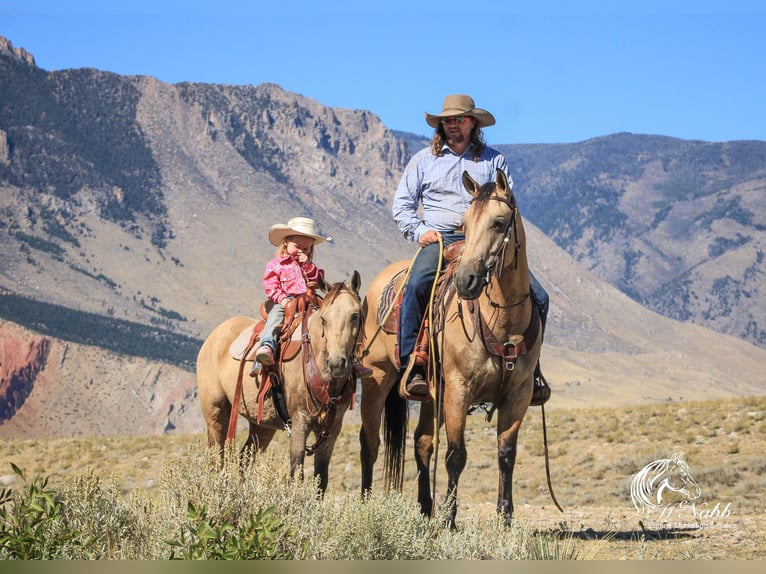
{"x": 496, "y": 261}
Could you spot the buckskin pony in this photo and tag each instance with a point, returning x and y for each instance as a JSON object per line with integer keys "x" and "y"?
{"x": 317, "y": 380}
{"x": 486, "y": 343}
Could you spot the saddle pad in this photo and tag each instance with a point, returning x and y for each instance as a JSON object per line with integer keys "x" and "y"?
{"x": 239, "y": 345}
{"x": 386, "y": 301}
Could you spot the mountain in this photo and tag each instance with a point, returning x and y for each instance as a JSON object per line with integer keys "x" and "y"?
{"x": 133, "y": 219}
{"x": 679, "y": 226}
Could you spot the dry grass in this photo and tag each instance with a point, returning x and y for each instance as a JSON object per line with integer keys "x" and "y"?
{"x": 594, "y": 454}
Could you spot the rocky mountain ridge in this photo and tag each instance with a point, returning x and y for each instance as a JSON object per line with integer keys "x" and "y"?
{"x": 136, "y": 200}
{"x": 680, "y": 226}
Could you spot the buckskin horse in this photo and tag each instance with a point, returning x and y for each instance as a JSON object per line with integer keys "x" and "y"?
{"x": 487, "y": 339}
{"x": 315, "y": 378}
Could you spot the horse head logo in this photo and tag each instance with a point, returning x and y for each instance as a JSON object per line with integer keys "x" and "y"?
{"x": 662, "y": 483}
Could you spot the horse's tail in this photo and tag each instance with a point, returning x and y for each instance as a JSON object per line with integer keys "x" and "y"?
{"x": 395, "y": 417}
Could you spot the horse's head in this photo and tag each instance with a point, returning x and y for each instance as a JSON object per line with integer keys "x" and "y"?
{"x": 338, "y": 327}
{"x": 492, "y": 227}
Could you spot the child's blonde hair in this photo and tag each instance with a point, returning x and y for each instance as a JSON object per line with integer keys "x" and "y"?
{"x": 282, "y": 249}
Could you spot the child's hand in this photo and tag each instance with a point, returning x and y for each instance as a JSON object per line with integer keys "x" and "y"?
{"x": 301, "y": 257}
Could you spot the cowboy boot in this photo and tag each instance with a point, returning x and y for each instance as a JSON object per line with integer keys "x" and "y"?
{"x": 361, "y": 371}
{"x": 414, "y": 376}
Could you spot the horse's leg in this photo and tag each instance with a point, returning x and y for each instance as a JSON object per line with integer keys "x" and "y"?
{"x": 371, "y": 411}
{"x": 322, "y": 457}
{"x": 424, "y": 448}
{"x": 298, "y": 437}
{"x": 258, "y": 438}
{"x": 455, "y": 458}
{"x": 217, "y": 420}
{"x": 508, "y": 425}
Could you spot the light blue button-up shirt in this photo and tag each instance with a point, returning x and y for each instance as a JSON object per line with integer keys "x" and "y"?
{"x": 436, "y": 182}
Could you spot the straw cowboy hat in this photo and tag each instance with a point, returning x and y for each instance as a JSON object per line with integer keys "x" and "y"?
{"x": 460, "y": 105}
{"x": 304, "y": 226}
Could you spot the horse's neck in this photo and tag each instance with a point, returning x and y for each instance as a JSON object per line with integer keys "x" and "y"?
{"x": 507, "y": 300}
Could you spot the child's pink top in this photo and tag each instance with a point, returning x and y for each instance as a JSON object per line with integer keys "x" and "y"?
{"x": 284, "y": 277}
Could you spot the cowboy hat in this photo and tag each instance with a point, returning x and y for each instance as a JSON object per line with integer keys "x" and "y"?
{"x": 303, "y": 226}
{"x": 460, "y": 105}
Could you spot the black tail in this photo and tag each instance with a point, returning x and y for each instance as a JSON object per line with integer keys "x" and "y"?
{"x": 395, "y": 417}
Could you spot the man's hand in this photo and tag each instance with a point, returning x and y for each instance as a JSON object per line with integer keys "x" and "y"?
{"x": 429, "y": 237}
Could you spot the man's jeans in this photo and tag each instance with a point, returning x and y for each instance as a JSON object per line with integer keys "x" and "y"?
{"x": 418, "y": 292}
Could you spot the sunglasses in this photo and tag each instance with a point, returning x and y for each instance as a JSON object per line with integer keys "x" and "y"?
{"x": 454, "y": 119}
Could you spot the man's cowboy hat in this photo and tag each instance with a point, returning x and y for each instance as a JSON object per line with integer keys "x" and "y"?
{"x": 304, "y": 226}
{"x": 460, "y": 105}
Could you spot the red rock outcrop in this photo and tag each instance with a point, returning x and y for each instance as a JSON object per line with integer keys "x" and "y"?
{"x": 22, "y": 358}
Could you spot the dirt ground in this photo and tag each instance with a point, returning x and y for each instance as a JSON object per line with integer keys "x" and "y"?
{"x": 604, "y": 533}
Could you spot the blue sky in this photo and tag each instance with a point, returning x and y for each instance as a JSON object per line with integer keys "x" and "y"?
{"x": 550, "y": 71}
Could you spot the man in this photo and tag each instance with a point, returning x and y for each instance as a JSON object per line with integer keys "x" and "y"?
{"x": 433, "y": 180}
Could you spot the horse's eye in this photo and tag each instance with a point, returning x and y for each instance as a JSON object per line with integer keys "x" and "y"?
{"x": 355, "y": 317}
{"x": 499, "y": 225}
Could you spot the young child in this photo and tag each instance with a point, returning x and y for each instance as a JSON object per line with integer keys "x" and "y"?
{"x": 286, "y": 276}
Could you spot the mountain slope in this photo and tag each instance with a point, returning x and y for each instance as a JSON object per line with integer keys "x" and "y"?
{"x": 149, "y": 203}
{"x": 680, "y": 226}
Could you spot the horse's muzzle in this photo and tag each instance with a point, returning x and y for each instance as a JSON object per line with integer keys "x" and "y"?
{"x": 339, "y": 367}
{"x": 470, "y": 280}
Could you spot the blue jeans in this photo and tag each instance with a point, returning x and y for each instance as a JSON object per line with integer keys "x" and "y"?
{"x": 273, "y": 326}
{"x": 418, "y": 292}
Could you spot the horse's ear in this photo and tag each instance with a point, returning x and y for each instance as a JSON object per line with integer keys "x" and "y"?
{"x": 323, "y": 284}
{"x": 356, "y": 281}
{"x": 470, "y": 184}
{"x": 504, "y": 189}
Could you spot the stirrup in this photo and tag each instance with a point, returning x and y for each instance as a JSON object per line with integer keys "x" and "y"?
{"x": 541, "y": 391}
{"x": 417, "y": 384}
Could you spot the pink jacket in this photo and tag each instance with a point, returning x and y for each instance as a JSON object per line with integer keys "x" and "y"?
{"x": 284, "y": 277}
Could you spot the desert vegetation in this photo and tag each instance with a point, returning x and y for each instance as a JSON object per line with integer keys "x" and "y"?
{"x": 157, "y": 497}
